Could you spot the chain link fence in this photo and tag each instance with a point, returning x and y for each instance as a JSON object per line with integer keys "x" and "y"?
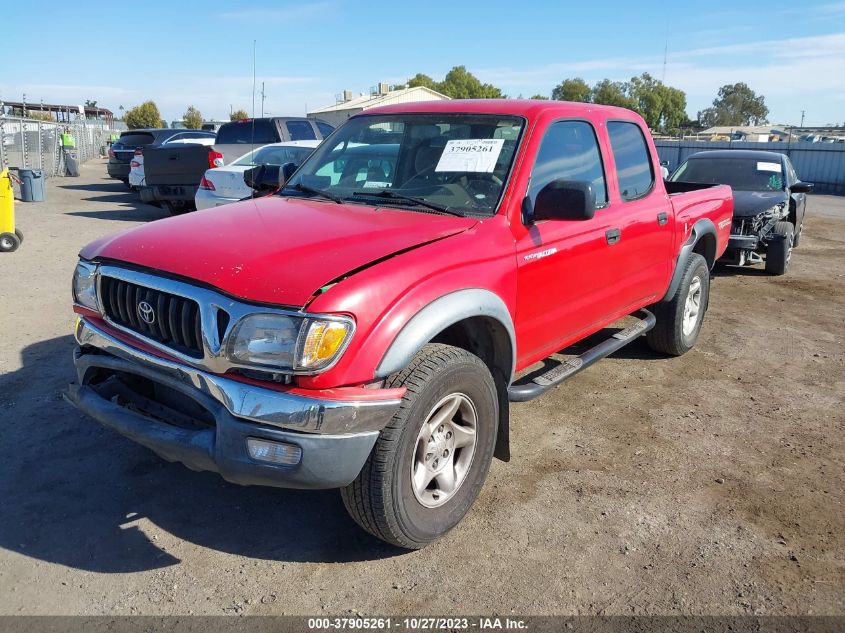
{"x": 34, "y": 144}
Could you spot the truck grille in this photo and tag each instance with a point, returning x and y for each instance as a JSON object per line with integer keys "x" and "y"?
{"x": 168, "y": 319}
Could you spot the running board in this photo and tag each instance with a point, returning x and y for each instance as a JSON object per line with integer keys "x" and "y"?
{"x": 568, "y": 368}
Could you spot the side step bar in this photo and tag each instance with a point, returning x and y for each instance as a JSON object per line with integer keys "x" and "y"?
{"x": 556, "y": 375}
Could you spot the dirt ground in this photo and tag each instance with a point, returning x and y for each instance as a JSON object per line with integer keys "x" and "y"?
{"x": 707, "y": 484}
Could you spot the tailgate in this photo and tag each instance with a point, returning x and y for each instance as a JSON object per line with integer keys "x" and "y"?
{"x": 182, "y": 165}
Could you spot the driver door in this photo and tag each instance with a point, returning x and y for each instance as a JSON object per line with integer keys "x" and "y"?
{"x": 567, "y": 269}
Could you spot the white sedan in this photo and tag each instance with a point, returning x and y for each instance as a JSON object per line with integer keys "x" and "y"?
{"x": 223, "y": 185}
{"x": 136, "y": 165}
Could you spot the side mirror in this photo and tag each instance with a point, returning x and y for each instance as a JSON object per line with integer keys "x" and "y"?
{"x": 664, "y": 163}
{"x": 288, "y": 169}
{"x": 802, "y": 187}
{"x": 264, "y": 178}
{"x": 561, "y": 200}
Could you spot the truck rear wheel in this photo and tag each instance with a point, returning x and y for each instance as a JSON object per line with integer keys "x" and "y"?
{"x": 679, "y": 319}
{"x": 779, "y": 248}
{"x": 431, "y": 460}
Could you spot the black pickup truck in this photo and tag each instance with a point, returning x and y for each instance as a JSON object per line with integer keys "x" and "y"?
{"x": 173, "y": 174}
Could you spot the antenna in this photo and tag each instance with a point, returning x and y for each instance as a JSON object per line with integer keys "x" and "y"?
{"x": 252, "y": 138}
{"x": 263, "y": 96}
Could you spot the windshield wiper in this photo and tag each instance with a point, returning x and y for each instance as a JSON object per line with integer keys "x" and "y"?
{"x": 317, "y": 192}
{"x": 385, "y": 193}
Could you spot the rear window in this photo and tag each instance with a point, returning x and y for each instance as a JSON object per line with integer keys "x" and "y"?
{"x": 300, "y": 131}
{"x": 259, "y": 131}
{"x": 136, "y": 139}
{"x": 325, "y": 128}
{"x": 633, "y": 165}
{"x": 275, "y": 155}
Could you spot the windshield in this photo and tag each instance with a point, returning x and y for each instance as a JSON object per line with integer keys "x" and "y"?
{"x": 274, "y": 155}
{"x": 742, "y": 174}
{"x": 454, "y": 161}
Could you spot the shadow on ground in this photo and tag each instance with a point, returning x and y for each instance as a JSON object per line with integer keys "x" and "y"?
{"x": 74, "y": 492}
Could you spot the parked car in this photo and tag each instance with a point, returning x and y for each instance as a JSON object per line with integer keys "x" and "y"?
{"x": 769, "y": 203}
{"x": 136, "y": 171}
{"x": 223, "y": 185}
{"x": 173, "y": 175}
{"x": 366, "y": 328}
{"x": 233, "y": 139}
{"x": 123, "y": 149}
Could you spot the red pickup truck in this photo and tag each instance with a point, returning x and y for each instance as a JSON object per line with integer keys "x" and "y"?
{"x": 366, "y": 327}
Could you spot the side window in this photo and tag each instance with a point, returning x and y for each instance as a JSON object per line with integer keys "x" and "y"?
{"x": 325, "y": 128}
{"x": 175, "y": 137}
{"x": 634, "y": 171}
{"x": 300, "y": 131}
{"x": 569, "y": 151}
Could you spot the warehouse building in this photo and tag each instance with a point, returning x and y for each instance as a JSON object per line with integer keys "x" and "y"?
{"x": 348, "y": 104}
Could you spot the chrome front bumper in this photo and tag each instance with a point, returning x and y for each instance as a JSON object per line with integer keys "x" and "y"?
{"x": 256, "y": 404}
{"x": 333, "y": 438}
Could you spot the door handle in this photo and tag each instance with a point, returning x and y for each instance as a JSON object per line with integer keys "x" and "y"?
{"x": 612, "y": 235}
{"x": 662, "y": 218}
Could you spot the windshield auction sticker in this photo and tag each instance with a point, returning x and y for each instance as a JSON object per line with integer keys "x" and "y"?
{"x": 471, "y": 155}
{"x": 775, "y": 167}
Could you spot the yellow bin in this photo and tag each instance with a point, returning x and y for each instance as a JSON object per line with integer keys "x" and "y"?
{"x": 10, "y": 237}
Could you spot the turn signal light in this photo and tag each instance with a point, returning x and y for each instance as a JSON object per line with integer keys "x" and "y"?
{"x": 205, "y": 183}
{"x": 275, "y": 452}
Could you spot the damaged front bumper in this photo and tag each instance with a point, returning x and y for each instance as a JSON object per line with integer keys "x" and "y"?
{"x": 211, "y": 422}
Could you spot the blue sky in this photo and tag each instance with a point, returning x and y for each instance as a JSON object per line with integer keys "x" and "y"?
{"x": 200, "y": 53}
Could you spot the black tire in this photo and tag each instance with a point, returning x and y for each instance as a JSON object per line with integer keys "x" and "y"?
{"x": 668, "y": 335}
{"x": 779, "y": 248}
{"x": 19, "y": 233}
{"x": 9, "y": 242}
{"x": 382, "y": 500}
{"x": 173, "y": 209}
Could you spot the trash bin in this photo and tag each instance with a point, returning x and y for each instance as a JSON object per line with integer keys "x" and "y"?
{"x": 32, "y": 185}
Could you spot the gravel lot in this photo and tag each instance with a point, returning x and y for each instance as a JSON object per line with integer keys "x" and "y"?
{"x": 707, "y": 484}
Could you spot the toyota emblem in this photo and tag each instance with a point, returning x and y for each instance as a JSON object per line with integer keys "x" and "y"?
{"x": 146, "y": 313}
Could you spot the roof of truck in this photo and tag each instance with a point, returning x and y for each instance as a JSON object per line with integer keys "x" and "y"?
{"x": 513, "y": 107}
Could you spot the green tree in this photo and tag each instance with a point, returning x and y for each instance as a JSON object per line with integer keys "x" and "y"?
{"x": 735, "y": 104}
{"x": 238, "y": 115}
{"x": 540, "y": 97}
{"x": 661, "y": 106}
{"x": 192, "y": 118}
{"x": 458, "y": 83}
{"x": 614, "y": 93}
{"x": 144, "y": 115}
{"x": 572, "y": 90}
{"x": 422, "y": 80}
{"x": 90, "y": 104}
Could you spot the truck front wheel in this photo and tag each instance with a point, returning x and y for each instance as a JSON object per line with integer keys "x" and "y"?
{"x": 679, "y": 319}
{"x": 431, "y": 460}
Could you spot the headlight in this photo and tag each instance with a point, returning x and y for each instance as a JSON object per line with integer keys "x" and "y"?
{"x": 282, "y": 342}
{"x": 85, "y": 285}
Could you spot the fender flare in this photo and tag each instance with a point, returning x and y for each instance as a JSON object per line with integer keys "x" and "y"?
{"x": 436, "y": 317}
{"x": 702, "y": 227}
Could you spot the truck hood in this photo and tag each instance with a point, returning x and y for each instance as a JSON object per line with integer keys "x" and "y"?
{"x": 274, "y": 250}
{"x": 747, "y": 204}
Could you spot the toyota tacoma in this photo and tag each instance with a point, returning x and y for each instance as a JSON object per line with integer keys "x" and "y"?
{"x": 367, "y": 326}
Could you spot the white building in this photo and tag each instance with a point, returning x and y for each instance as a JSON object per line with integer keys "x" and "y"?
{"x": 350, "y": 105}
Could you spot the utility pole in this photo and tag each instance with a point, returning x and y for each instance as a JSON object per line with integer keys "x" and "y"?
{"x": 802, "y": 118}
